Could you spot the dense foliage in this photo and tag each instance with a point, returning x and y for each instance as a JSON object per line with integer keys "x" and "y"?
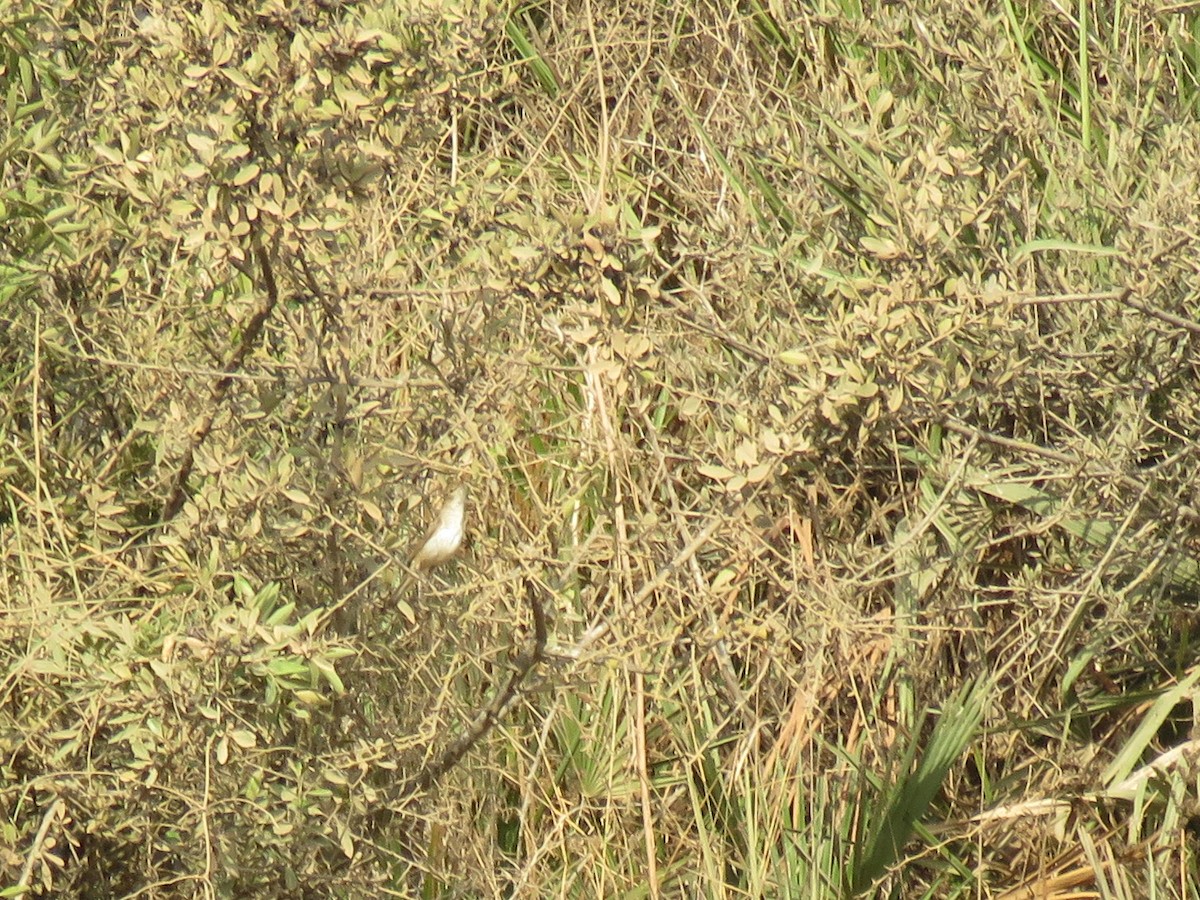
{"x": 824, "y": 376}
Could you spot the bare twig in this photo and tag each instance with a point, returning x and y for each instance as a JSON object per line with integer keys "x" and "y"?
{"x": 220, "y": 391}
{"x": 1067, "y": 459}
{"x": 484, "y": 721}
{"x": 39, "y": 839}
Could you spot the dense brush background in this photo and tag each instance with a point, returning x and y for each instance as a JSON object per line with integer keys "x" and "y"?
{"x": 826, "y": 374}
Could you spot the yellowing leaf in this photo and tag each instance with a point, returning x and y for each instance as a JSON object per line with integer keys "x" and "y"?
{"x": 746, "y": 453}
{"x": 610, "y": 292}
{"x": 202, "y": 144}
{"x": 884, "y": 248}
{"x": 247, "y": 174}
{"x": 758, "y": 473}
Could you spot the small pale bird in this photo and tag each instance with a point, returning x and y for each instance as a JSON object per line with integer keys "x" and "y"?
{"x": 445, "y": 534}
{"x": 442, "y": 540}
